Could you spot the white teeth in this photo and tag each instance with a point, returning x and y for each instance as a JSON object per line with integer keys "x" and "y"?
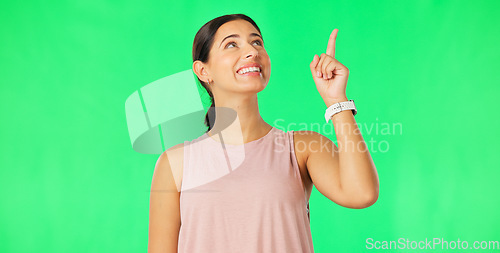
{"x": 251, "y": 69}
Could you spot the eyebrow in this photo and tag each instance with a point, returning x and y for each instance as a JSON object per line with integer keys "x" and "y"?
{"x": 237, "y": 36}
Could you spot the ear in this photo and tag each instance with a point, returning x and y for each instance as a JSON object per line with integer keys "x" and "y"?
{"x": 200, "y": 69}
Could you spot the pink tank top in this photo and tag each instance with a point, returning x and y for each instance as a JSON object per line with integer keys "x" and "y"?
{"x": 243, "y": 198}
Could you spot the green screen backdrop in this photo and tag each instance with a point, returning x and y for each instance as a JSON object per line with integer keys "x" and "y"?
{"x": 424, "y": 76}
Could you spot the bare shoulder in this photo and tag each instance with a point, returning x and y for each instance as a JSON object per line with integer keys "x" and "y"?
{"x": 306, "y": 141}
{"x": 164, "y": 210}
{"x": 172, "y": 160}
{"x": 311, "y": 141}
{"x": 309, "y": 135}
{"x": 301, "y": 142}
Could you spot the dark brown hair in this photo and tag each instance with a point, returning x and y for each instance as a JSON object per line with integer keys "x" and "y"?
{"x": 203, "y": 41}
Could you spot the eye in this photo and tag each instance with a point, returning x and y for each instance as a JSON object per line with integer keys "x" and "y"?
{"x": 260, "y": 43}
{"x": 230, "y": 43}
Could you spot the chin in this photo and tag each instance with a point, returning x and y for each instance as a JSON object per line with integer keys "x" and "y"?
{"x": 252, "y": 86}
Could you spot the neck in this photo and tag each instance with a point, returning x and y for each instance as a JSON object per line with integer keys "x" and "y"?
{"x": 239, "y": 121}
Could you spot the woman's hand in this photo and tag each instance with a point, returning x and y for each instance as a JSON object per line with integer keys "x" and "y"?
{"x": 329, "y": 74}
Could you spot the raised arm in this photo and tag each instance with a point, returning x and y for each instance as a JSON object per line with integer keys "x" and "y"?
{"x": 345, "y": 174}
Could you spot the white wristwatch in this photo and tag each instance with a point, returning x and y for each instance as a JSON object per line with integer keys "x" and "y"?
{"x": 338, "y": 107}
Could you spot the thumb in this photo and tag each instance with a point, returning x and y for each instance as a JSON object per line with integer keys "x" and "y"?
{"x": 313, "y": 65}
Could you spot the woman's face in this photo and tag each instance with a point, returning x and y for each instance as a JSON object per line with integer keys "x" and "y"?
{"x": 236, "y": 45}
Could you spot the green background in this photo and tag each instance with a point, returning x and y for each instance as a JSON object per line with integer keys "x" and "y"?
{"x": 71, "y": 182}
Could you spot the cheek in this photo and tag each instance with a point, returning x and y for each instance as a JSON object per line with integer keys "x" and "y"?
{"x": 267, "y": 61}
{"x": 265, "y": 57}
{"x": 225, "y": 66}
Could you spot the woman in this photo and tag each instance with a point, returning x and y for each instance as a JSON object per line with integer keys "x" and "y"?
{"x": 245, "y": 184}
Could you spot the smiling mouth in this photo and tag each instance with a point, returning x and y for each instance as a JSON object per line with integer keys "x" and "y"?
{"x": 249, "y": 71}
{"x": 251, "y": 74}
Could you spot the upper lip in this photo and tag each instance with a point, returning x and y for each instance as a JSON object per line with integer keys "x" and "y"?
{"x": 249, "y": 65}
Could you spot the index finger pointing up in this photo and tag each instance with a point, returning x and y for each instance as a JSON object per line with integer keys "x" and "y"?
{"x": 330, "y": 50}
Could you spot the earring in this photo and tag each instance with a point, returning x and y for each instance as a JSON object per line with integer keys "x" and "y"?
{"x": 208, "y": 80}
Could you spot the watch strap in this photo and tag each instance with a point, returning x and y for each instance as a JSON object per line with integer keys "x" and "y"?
{"x": 338, "y": 107}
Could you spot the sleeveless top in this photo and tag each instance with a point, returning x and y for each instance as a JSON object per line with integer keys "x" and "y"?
{"x": 245, "y": 198}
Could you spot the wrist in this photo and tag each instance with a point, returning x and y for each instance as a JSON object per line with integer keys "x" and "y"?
{"x": 336, "y": 115}
{"x": 339, "y": 106}
{"x": 331, "y": 101}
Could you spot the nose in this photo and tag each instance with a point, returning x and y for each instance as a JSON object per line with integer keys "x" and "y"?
{"x": 252, "y": 53}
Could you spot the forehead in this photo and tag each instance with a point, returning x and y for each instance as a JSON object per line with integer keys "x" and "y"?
{"x": 241, "y": 27}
